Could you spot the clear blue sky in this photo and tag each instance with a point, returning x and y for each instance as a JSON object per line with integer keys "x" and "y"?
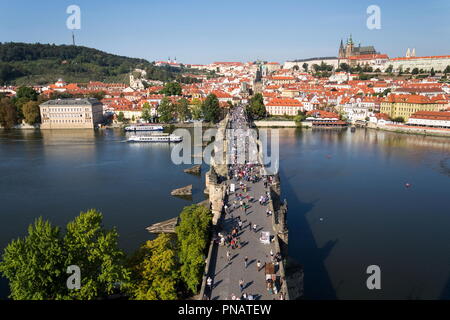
{"x": 203, "y": 31}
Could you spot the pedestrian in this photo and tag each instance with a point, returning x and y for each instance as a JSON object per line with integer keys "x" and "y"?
{"x": 241, "y": 284}
{"x": 240, "y": 224}
{"x": 228, "y": 256}
{"x": 246, "y": 262}
{"x": 271, "y": 252}
{"x": 254, "y": 227}
{"x": 258, "y": 265}
{"x": 209, "y": 283}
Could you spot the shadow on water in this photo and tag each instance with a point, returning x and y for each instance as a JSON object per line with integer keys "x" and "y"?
{"x": 4, "y": 288}
{"x": 303, "y": 247}
{"x": 445, "y": 294}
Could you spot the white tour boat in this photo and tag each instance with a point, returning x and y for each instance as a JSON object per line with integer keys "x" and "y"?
{"x": 156, "y": 138}
{"x": 144, "y": 127}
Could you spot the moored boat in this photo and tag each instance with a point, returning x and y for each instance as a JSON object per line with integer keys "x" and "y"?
{"x": 144, "y": 127}
{"x": 156, "y": 138}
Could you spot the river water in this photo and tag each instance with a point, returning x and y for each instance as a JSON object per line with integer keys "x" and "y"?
{"x": 348, "y": 204}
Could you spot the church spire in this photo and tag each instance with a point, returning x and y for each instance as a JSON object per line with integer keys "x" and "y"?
{"x": 350, "y": 40}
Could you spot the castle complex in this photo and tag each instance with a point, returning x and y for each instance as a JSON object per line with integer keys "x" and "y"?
{"x": 350, "y": 50}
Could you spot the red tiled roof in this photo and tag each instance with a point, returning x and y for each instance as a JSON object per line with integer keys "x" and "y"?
{"x": 431, "y": 115}
{"x": 284, "y": 102}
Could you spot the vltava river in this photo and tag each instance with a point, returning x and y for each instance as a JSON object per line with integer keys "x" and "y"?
{"x": 348, "y": 204}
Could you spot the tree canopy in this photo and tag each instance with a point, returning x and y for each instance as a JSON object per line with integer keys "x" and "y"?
{"x": 165, "y": 110}
{"x": 256, "y": 107}
{"x": 211, "y": 108}
{"x": 193, "y": 236}
{"x": 156, "y": 270}
{"x": 36, "y": 264}
{"x": 172, "y": 89}
{"x": 8, "y": 113}
{"x": 182, "y": 109}
{"x": 31, "y": 112}
{"x": 24, "y": 63}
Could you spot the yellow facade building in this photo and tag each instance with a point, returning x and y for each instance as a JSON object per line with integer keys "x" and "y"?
{"x": 405, "y": 105}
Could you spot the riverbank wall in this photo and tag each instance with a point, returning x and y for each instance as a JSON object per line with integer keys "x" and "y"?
{"x": 275, "y": 124}
{"x": 427, "y": 131}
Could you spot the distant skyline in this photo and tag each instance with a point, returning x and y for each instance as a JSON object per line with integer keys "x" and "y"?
{"x": 204, "y": 31}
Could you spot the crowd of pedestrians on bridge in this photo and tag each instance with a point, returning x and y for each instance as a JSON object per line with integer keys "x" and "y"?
{"x": 242, "y": 176}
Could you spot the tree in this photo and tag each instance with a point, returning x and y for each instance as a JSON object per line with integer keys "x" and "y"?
{"x": 156, "y": 270}
{"x": 26, "y": 92}
{"x": 146, "y": 114}
{"x": 31, "y": 112}
{"x": 257, "y": 108}
{"x": 415, "y": 71}
{"x": 196, "y": 109}
{"x": 95, "y": 250}
{"x": 399, "y": 119}
{"x": 8, "y": 113}
{"x": 447, "y": 69}
{"x": 99, "y": 95}
{"x": 172, "y": 89}
{"x": 389, "y": 69}
{"x": 182, "y": 109}
{"x": 193, "y": 235}
{"x": 363, "y": 76}
{"x": 345, "y": 67}
{"x": 165, "y": 110}
{"x": 211, "y": 108}
{"x": 121, "y": 116}
{"x": 35, "y": 265}
{"x": 301, "y": 116}
{"x": 305, "y": 67}
{"x": 432, "y": 72}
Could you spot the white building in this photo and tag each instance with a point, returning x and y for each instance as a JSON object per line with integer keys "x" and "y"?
{"x": 283, "y": 106}
{"x": 430, "y": 119}
{"x": 438, "y": 63}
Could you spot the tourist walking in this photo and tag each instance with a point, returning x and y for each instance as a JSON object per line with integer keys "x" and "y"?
{"x": 258, "y": 265}
{"x": 241, "y": 285}
{"x": 245, "y": 262}
{"x": 209, "y": 283}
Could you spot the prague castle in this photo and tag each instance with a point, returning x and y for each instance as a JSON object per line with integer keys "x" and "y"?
{"x": 350, "y": 50}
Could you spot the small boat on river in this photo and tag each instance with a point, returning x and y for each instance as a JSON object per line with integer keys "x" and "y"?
{"x": 163, "y": 137}
{"x": 144, "y": 127}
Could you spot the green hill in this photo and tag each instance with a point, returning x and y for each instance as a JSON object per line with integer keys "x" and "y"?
{"x": 28, "y": 64}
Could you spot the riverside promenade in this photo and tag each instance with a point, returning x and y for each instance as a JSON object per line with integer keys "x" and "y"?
{"x": 233, "y": 273}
